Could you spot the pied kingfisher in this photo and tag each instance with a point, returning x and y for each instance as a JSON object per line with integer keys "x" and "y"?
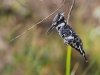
{"x": 67, "y": 33}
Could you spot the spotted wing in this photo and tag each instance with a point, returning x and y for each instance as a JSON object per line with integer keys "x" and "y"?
{"x": 74, "y": 40}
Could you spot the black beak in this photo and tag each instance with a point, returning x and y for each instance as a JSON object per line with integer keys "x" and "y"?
{"x": 50, "y": 29}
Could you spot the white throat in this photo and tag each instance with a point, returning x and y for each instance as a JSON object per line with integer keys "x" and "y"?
{"x": 60, "y": 25}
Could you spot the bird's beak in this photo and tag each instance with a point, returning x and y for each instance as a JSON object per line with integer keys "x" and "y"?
{"x": 50, "y": 29}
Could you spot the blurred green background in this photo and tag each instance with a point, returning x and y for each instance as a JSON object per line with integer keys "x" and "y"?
{"x": 34, "y": 53}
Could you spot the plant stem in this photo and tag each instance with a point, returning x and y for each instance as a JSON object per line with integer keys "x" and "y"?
{"x": 68, "y": 60}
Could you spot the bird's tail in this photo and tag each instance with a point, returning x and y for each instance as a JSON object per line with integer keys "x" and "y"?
{"x": 85, "y": 58}
{"x": 83, "y": 53}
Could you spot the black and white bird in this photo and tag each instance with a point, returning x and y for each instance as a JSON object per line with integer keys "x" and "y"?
{"x": 67, "y": 33}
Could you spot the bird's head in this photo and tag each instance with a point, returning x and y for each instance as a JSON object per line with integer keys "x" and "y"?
{"x": 59, "y": 18}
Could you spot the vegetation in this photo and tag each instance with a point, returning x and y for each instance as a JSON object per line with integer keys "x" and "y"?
{"x": 34, "y": 53}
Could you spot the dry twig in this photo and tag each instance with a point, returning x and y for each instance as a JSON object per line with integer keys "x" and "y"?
{"x": 70, "y": 11}
{"x": 39, "y": 21}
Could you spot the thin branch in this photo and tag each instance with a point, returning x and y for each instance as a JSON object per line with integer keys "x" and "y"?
{"x": 39, "y": 21}
{"x": 70, "y": 11}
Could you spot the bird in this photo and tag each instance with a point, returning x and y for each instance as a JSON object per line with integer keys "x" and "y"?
{"x": 69, "y": 36}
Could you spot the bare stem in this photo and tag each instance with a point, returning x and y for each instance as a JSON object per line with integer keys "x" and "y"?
{"x": 70, "y": 11}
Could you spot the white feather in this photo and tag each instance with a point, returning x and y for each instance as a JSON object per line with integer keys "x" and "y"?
{"x": 61, "y": 24}
{"x": 70, "y": 37}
